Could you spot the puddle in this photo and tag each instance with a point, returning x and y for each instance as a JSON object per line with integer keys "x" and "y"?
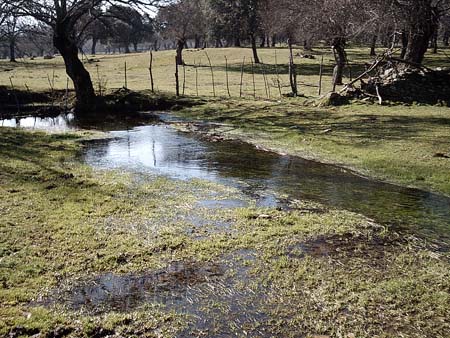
{"x": 125, "y": 292}
{"x": 220, "y": 299}
{"x": 338, "y": 246}
{"x": 222, "y": 204}
{"x": 63, "y": 122}
{"x": 67, "y": 122}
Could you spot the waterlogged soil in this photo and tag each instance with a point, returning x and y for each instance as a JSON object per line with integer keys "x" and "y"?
{"x": 221, "y": 297}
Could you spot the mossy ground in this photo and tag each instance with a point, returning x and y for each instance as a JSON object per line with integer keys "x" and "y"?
{"x": 312, "y": 270}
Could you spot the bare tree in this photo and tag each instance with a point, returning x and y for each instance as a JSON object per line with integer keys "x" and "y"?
{"x": 178, "y": 21}
{"x": 63, "y": 16}
{"x": 421, "y": 19}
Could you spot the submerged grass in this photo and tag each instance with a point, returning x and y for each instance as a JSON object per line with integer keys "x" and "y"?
{"x": 311, "y": 271}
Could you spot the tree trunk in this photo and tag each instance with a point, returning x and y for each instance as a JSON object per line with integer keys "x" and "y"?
{"x": 12, "y": 50}
{"x": 263, "y": 41}
{"x": 237, "y": 42}
{"x": 422, "y": 26}
{"x": 84, "y": 90}
{"x": 404, "y": 44}
{"x": 274, "y": 40}
{"x": 127, "y": 49}
{"x": 196, "y": 42}
{"x": 254, "y": 50}
{"x": 135, "y": 47}
{"x": 445, "y": 40}
{"x": 341, "y": 60}
{"x": 306, "y": 45}
{"x": 180, "y": 46}
{"x": 373, "y": 45}
{"x": 434, "y": 42}
{"x": 94, "y": 45}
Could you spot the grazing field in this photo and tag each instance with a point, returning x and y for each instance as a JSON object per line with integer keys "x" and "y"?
{"x": 109, "y": 70}
{"x": 91, "y": 252}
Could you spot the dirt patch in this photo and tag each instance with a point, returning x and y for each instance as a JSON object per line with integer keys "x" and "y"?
{"x": 344, "y": 247}
{"x": 112, "y": 292}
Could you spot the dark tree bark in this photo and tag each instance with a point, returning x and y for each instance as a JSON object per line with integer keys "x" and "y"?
{"x": 254, "y": 49}
{"x": 307, "y": 45}
{"x": 180, "y": 46}
{"x": 340, "y": 58}
{"x": 84, "y": 90}
{"x": 404, "y": 44}
{"x": 263, "y": 41}
{"x": 94, "y": 45}
{"x": 434, "y": 42}
{"x": 445, "y": 40}
{"x": 127, "y": 49}
{"x": 237, "y": 42}
{"x": 274, "y": 40}
{"x": 196, "y": 42}
{"x": 135, "y": 47}
{"x": 12, "y": 50}
{"x": 373, "y": 45}
{"x": 422, "y": 26}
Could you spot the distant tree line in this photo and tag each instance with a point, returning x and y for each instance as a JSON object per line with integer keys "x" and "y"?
{"x": 65, "y": 26}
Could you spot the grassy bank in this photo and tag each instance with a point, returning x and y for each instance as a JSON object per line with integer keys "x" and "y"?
{"x": 409, "y": 145}
{"x": 309, "y": 270}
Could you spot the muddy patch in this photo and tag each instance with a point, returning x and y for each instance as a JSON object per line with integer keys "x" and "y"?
{"x": 342, "y": 247}
{"x": 112, "y": 292}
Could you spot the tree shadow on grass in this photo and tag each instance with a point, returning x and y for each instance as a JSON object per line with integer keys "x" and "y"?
{"x": 358, "y": 127}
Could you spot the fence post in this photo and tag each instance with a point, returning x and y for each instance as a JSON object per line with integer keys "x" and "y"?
{"x": 177, "y": 83}
{"x": 150, "y": 70}
{"x": 226, "y": 72}
{"x": 212, "y": 74}
{"x": 320, "y": 76}
{"x": 126, "y": 80}
{"x": 242, "y": 77}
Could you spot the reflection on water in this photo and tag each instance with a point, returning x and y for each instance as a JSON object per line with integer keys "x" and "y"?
{"x": 63, "y": 122}
{"x": 161, "y": 149}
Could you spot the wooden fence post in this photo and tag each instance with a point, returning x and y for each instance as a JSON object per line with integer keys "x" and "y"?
{"x": 212, "y": 74}
{"x": 126, "y": 80}
{"x": 242, "y": 77}
{"x": 320, "y": 76}
{"x": 184, "y": 78}
{"x": 150, "y": 70}
{"x": 253, "y": 79}
{"x": 278, "y": 74}
{"x": 226, "y": 72}
{"x": 177, "y": 83}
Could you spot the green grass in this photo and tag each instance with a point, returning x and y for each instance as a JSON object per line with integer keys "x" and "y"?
{"x": 396, "y": 143}
{"x": 37, "y": 74}
{"x": 393, "y": 142}
{"x": 62, "y": 221}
